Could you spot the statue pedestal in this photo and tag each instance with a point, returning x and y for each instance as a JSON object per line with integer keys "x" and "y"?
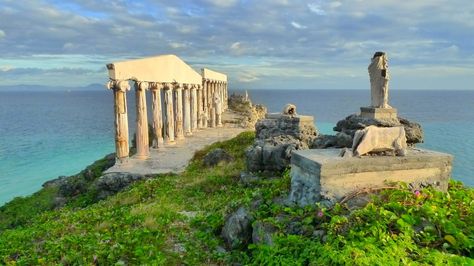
{"x": 322, "y": 174}
{"x": 378, "y": 113}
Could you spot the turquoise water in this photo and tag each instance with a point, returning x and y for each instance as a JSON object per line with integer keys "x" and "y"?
{"x": 48, "y": 134}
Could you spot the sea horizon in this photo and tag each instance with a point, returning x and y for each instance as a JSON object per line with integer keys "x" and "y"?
{"x": 75, "y": 128}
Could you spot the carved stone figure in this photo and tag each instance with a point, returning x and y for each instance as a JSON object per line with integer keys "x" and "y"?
{"x": 379, "y": 77}
{"x": 379, "y": 139}
{"x": 289, "y": 109}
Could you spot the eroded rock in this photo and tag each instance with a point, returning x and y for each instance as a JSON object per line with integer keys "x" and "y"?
{"x": 277, "y": 136}
{"x": 111, "y": 183}
{"x": 237, "y": 230}
{"x": 354, "y": 122}
{"x": 216, "y": 157}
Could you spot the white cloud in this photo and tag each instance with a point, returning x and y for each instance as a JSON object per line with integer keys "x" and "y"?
{"x": 177, "y": 45}
{"x": 317, "y": 9}
{"x": 223, "y": 3}
{"x": 297, "y": 25}
{"x": 6, "y": 68}
{"x": 247, "y": 77}
{"x": 2, "y": 34}
{"x": 335, "y": 4}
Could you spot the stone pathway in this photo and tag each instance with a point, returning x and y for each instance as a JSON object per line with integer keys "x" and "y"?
{"x": 174, "y": 158}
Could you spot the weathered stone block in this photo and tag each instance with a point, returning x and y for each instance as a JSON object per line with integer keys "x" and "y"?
{"x": 322, "y": 174}
{"x": 378, "y": 113}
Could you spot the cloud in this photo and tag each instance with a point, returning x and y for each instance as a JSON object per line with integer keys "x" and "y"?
{"x": 297, "y": 25}
{"x": 222, "y": 3}
{"x": 317, "y": 9}
{"x": 247, "y": 77}
{"x": 272, "y": 40}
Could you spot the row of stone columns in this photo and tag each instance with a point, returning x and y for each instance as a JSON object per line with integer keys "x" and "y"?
{"x": 184, "y": 109}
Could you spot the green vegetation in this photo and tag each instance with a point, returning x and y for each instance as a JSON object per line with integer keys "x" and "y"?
{"x": 177, "y": 219}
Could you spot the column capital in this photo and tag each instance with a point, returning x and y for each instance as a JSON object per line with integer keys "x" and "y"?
{"x": 141, "y": 85}
{"x": 156, "y": 86}
{"x": 168, "y": 86}
{"x": 178, "y": 86}
{"x": 187, "y": 86}
{"x": 121, "y": 85}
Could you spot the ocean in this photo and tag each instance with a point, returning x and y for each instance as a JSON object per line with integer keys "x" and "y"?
{"x": 53, "y": 133}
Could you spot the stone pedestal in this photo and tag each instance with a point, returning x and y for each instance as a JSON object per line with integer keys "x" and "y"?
{"x": 378, "y": 113}
{"x": 322, "y": 174}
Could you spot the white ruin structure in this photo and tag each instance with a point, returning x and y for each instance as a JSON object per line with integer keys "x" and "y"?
{"x": 181, "y": 101}
{"x": 332, "y": 174}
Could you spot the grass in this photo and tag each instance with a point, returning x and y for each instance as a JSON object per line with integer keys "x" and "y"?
{"x": 176, "y": 219}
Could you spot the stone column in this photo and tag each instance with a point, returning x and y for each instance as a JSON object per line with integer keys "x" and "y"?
{"x": 193, "y": 108}
{"x": 205, "y": 109}
{"x": 179, "y": 111}
{"x": 142, "y": 142}
{"x": 218, "y": 106}
{"x": 169, "y": 124}
{"x": 226, "y": 89}
{"x": 187, "y": 110}
{"x": 155, "y": 89}
{"x": 221, "y": 95}
{"x": 121, "y": 119}
{"x": 212, "y": 108}
{"x": 199, "y": 107}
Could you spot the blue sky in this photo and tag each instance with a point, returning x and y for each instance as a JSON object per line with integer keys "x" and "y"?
{"x": 268, "y": 44}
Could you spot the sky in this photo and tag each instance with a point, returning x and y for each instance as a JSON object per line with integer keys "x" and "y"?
{"x": 260, "y": 44}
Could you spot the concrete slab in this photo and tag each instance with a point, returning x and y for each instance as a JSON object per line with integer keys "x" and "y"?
{"x": 322, "y": 174}
{"x": 175, "y": 158}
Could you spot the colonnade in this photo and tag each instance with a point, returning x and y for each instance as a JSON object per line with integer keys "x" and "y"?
{"x": 178, "y": 110}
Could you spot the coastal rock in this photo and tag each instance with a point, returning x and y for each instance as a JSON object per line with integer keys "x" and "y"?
{"x": 250, "y": 113}
{"x": 354, "y": 122}
{"x": 111, "y": 183}
{"x": 216, "y": 156}
{"x": 237, "y": 230}
{"x": 277, "y": 136}
{"x": 340, "y": 140}
{"x": 413, "y": 131}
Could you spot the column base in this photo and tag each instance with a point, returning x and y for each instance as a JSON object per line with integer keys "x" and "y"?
{"x": 170, "y": 142}
{"x": 122, "y": 160}
{"x": 141, "y": 157}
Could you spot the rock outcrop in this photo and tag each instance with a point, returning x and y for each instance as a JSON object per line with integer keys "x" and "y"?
{"x": 276, "y": 137}
{"x": 111, "y": 183}
{"x": 237, "y": 230}
{"x": 215, "y": 157}
{"x": 348, "y": 126}
{"x": 250, "y": 113}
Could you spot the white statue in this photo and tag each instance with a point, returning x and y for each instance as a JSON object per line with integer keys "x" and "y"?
{"x": 379, "y": 77}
